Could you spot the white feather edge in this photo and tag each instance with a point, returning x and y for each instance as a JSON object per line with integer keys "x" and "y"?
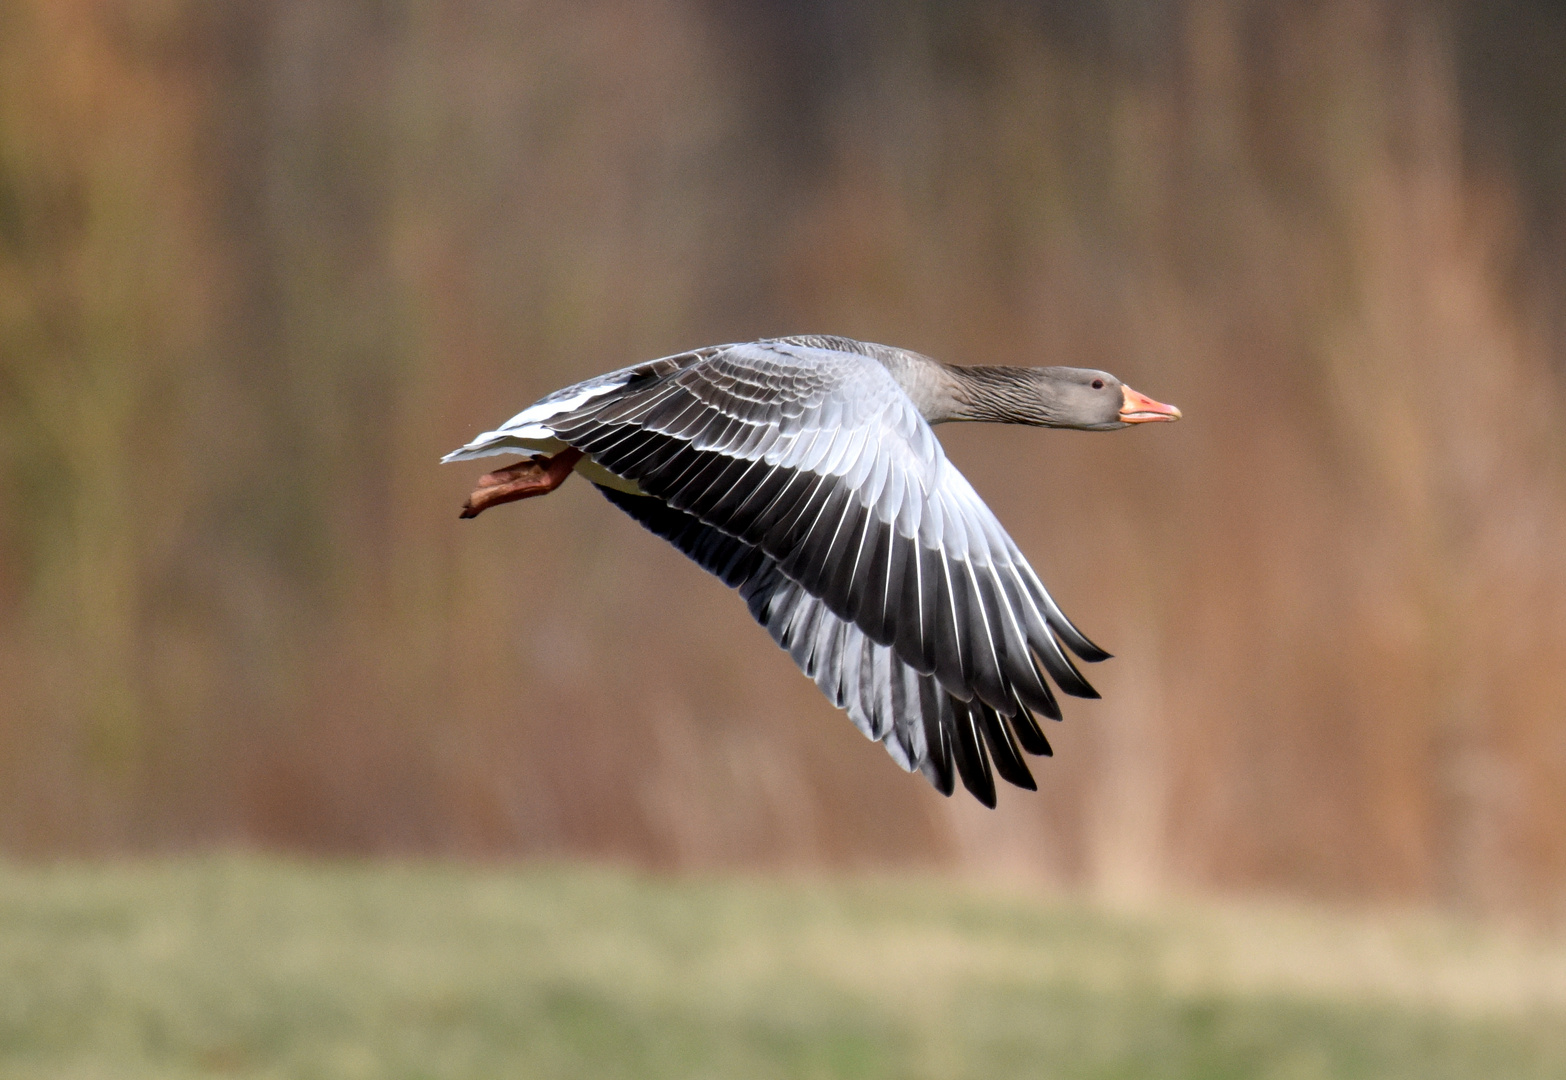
{"x": 526, "y": 433}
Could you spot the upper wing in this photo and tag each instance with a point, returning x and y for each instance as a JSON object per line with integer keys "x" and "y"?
{"x": 816, "y": 457}
{"x": 529, "y": 429}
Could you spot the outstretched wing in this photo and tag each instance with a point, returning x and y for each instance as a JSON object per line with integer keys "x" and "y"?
{"x": 921, "y": 725}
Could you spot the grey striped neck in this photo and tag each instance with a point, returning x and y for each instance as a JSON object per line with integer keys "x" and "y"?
{"x": 1003, "y": 395}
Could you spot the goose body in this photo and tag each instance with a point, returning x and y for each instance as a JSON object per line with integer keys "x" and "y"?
{"x": 804, "y": 471}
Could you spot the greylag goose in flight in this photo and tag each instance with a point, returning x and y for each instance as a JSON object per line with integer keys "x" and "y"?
{"x": 804, "y": 472}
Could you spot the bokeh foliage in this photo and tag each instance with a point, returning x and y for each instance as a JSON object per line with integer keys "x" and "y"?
{"x": 260, "y": 264}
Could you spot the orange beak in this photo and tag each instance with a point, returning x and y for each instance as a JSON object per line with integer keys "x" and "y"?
{"x": 1140, "y": 409}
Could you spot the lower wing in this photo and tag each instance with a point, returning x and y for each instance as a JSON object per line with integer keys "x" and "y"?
{"x": 921, "y": 725}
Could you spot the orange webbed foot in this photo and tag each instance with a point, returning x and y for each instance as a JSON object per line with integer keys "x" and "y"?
{"x": 539, "y": 475}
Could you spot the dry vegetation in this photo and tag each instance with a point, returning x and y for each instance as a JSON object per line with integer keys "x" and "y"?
{"x": 260, "y": 264}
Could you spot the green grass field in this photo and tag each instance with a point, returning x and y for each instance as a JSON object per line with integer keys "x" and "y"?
{"x": 252, "y": 967}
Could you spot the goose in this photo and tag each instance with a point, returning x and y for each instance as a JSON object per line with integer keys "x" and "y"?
{"x": 804, "y": 471}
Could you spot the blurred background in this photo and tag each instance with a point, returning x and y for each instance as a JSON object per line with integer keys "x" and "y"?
{"x": 261, "y": 264}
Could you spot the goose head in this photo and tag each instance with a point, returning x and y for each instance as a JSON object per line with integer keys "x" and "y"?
{"x": 1092, "y": 400}
{"x": 1063, "y": 397}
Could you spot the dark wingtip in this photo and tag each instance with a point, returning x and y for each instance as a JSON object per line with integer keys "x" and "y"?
{"x": 1015, "y": 772}
{"x": 1029, "y": 735}
{"x": 941, "y": 779}
{"x": 1004, "y": 756}
{"x": 1066, "y": 675}
{"x": 467, "y": 513}
{"x": 973, "y": 764}
{"x": 1076, "y": 640}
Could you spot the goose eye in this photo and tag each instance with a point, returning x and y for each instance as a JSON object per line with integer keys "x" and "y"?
{"x": 1098, "y": 384}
